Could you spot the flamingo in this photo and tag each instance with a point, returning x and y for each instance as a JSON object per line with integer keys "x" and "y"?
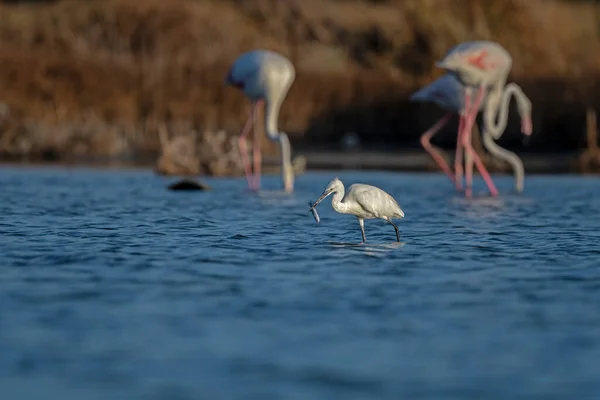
{"x": 362, "y": 201}
{"x": 265, "y": 78}
{"x": 482, "y": 66}
{"x": 448, "y": 93}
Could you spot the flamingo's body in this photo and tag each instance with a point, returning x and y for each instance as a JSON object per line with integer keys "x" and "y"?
{"x": 482, "y": 66}
{"x": 448, "y": 93}
{"x": 362, "y": 201}
{"x": 265, "y": 77}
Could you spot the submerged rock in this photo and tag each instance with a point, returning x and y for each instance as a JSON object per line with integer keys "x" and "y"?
{"x": 188, "y": 184}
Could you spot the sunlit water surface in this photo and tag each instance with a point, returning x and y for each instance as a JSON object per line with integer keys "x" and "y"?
{"x": 114, "y": 287}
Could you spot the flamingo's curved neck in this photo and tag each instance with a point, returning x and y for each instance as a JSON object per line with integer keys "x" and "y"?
{"x": 508, "y": 156}
{"x": 493, "y": 131}
{"x": 497, "y": 108}
{"x": 271, "y": 115}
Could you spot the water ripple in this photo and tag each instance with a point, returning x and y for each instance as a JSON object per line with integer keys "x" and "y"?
{"x": 113, "y": 285}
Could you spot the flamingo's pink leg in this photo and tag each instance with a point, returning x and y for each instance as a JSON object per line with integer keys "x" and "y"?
{"x": 425, "y": 142}
{"x": 458, "y": 158}
{"x": 466, "y": 137}
{"x": 244, "y": 149}
{"x": 256, "y": 148}
{"x": 471, "y": 114}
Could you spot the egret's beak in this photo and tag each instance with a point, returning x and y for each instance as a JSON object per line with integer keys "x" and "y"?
{"x": 320, "y": 199}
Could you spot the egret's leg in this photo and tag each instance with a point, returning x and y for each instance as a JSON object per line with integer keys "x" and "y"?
{"x": 395, "y": 228}
{"x": 361, "y": 222}
{"x": 466, "y": 137}
{"x": 244, "y": 149}
{"x": 256, "y": 147}
{"x": 433, "y": 152}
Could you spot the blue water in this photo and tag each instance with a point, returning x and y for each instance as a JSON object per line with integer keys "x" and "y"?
{"x": 113, "y": 287}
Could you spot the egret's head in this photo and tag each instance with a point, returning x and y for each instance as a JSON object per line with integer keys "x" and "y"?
{"x": 334, "y": 186}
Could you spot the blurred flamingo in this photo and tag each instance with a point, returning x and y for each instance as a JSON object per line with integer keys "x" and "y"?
{"x": 448, "y": 93}
{"x": 482, "y": 66}
{"x": 264, "y": 77}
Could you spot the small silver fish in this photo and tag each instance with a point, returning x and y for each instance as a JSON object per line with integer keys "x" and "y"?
{"x": 314, "y": 212}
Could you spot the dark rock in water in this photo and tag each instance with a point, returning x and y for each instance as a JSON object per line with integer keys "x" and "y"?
{"x": 188, "y": 184}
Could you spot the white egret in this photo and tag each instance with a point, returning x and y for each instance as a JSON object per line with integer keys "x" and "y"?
{"x": 364, "y": 202}
{"x": 265, "y": 77}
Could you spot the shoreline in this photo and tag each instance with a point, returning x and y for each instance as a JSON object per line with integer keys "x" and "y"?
{"x": 405, "y": 161}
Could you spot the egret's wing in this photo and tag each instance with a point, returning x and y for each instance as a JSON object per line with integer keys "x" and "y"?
{"x": 375, "y": 201}
{"x": 369, "y": 199}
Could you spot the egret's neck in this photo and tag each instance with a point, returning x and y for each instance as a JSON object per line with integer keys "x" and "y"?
{"x": 336, "y": 202}
{"x": 496, "y": 110}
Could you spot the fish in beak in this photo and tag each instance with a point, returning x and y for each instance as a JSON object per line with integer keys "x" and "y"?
{"x": 320, "y": 199}
{"x": 314, "y": 212}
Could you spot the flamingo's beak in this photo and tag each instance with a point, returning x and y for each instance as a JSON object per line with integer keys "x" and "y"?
{"x": 228, "y": 79}
{"x": 326, "y": 193}
{"x": 417, "y": 96}
{"x": 527, "y": 126}
{"x": 527, "y": 130}
{"x": 442, "y": 64}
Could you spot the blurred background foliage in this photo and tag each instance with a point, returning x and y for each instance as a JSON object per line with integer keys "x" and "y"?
{"x": 99, "y": 78}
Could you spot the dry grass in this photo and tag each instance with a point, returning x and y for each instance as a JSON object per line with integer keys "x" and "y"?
{"x": 113, "y": 65}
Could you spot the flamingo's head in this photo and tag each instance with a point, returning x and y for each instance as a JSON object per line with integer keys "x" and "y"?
{"x": 446, "y": 92}
{"x": 230, "y": 80}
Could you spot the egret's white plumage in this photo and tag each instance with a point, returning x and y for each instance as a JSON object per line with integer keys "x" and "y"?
{"x": 265, "y": 77}
{"x": 364, "y": 202}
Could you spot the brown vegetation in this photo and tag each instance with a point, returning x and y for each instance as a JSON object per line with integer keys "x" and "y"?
{"x": 94, "y": 78}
